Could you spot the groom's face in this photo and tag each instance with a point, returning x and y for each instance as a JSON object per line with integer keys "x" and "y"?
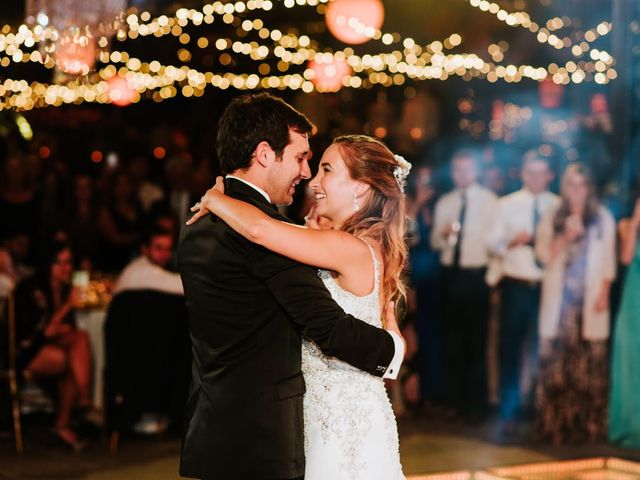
{"x": 285, "y": 173}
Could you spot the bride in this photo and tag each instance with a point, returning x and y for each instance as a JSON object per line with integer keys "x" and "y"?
{"x": 349, "y": 427}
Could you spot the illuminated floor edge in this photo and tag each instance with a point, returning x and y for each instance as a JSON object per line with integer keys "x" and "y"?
{"x": 599, "y": 468}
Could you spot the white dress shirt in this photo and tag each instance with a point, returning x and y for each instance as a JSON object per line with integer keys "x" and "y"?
{"x": 396, "y": 362}
{"x": 480, "y": 208}
{"x": 255, "y": 187}
{"x": 141, "y": 274}
{"x": 513, "y": 216}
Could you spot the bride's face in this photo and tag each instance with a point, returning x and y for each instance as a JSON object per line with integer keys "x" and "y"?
{"x": 334, "y": 188}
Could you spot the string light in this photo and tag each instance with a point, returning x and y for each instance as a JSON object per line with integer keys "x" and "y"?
{"x": 414, "y": 61}
{"x": 544, "y": 33}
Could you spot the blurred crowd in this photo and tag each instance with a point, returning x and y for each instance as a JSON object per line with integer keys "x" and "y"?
{"x": 512, "y": 304}
{"x": 118, "y": 226}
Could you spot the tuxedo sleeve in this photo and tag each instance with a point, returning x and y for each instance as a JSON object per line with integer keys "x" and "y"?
{"x": 303, "y": 296}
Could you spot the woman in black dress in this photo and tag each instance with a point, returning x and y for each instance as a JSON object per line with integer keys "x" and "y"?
{"x": 56, "y": 348}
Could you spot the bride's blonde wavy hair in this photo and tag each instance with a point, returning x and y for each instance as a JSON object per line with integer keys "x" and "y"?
{"x": 382, "y": 217}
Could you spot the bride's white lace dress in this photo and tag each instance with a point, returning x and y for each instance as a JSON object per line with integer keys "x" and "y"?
{"x": 349, "y": 427}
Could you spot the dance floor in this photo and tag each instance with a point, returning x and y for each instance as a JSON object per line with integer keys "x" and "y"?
{"x": 429, "y": 450}
{"x": 584, "y": 469}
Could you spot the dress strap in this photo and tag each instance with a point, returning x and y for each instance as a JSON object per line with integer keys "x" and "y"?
{"x": 376, "y": 267}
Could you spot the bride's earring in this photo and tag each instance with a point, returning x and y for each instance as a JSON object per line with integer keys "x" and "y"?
{"x": 356, "y": 204}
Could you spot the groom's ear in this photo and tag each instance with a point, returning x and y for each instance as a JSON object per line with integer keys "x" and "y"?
{"x": 264, "y": 154}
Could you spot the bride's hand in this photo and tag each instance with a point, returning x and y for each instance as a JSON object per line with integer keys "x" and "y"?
{"x": 204, "y": 205}
{"x": 311, "y": 219}
{"x": 392, "y": 324}
{"x": 315, "y": 221}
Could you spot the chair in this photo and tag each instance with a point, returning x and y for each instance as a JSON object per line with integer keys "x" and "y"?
{"x": 8, "y": 371}
{"x": 148, "y": 359}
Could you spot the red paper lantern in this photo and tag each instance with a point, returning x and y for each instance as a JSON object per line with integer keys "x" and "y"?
{"x": 340, "y": 13}
{"x": 329, "y": 73}
{"x": 120, "y": 93}
{"x": 599, "y": 103}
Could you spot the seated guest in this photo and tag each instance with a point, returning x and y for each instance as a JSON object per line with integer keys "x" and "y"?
{"x": 147, "y": 344}
{"x": 19, "y": 247}
{"x": 147, "y": 272}
{"x": 55, "y": 348}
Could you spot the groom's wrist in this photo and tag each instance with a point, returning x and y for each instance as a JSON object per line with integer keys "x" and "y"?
{"x": 396, "y": 362}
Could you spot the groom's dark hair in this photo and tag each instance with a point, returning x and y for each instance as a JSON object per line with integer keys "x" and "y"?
{"x": 251, "y": 119}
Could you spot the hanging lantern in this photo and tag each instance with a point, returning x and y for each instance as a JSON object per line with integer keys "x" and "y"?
{"x": 551, "y": 94}
{"x": 76, "y": 54}
{"x": 76, "y": 27}
{"x": 599, "y": 104}
{"x": 348, "y": 20}
{"x": 328, "y": 72}
{"x": 120, "y": 92}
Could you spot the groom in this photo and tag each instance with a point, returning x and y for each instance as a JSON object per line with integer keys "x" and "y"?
{"x": 249, "y": 307}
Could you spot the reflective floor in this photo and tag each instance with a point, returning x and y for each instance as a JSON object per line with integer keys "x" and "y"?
{"x": 430, "y": 449}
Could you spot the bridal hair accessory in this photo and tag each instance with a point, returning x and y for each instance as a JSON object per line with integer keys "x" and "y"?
{"x": 401, "y": 171}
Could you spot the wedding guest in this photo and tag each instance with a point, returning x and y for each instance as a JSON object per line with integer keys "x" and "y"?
{"x": 425, "y": 276}
{"x": 512, "y": 241}
{"x": 19, "y": 247}
{"x": 460, "y": 228}
{"x": 624, "y": 423}
{"x": 55, "y": 348}
{"x": 147, "y": 343}
{"x": 576, "y": 243}
{"x": 147, "y": 191}
{"x": 7, "y": 273}
{"x": 148, "y": 271}
{"x": 179, "y": 195}
{"x": 20, "y": 203}
{"x": 81, "y": 221}
{"x": 493, "y": 178}
{"x": 55, "y": 183}
{"x": 120, "y": 221}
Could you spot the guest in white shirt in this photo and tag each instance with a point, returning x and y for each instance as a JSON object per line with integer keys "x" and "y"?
{"x": 148, "y": 271}
{"x": 461, "y": 222}
{"x": 511, "y": 240}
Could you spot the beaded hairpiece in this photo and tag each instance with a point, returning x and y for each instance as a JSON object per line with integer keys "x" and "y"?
{"x": 401, "y": 171}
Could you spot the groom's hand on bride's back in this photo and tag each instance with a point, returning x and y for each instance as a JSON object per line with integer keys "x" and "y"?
{"x": 392, "y": 324}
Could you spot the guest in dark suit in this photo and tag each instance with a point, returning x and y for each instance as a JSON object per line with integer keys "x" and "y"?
{"x": 249, "y": 307}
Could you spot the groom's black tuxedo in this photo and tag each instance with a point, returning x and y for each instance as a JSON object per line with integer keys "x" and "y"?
{"x": 248, "y": 308}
